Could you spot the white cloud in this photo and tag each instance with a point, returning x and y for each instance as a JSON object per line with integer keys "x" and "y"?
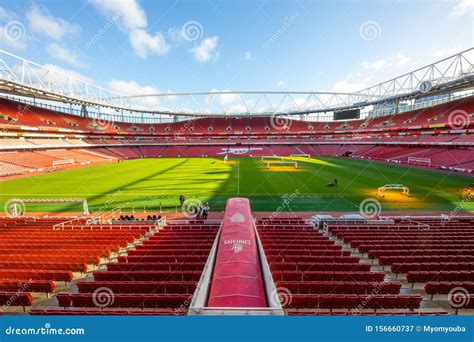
{"x": 144, "y": 43}
{"x": 401, "y": 59}
{"x": 280, "y": 83}
{"x": 463, "y": 7}
{"x": 376, "y": 65}
{"x": 223, "y": 99}
{"x": 132, "y": 16}
{"x": 133, "y": 21}
{"x": 43, "y": 22}
{"x": 394, "y": 61}
{"x": 64, "y": 54}
{"x": 207, "y": 50}
{"x": 248, "y": 56}
{"x": 176, "y": 35}
{"x": 133, "y": 88}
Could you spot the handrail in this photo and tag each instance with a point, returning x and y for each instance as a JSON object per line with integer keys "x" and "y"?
{"x": 103, "y": 216}
{"x": 63, "y": 224}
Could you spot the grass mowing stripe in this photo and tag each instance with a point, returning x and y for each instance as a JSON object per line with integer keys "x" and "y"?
{"x": 151, "y": 182}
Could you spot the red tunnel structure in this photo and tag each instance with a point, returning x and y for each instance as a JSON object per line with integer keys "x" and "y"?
{"x": 237, "y": 278}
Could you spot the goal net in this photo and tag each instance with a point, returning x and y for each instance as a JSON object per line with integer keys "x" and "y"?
{"x": 419, "y": 161}
{"x": 393, "y": 187}
{"x": 62, "y": 162}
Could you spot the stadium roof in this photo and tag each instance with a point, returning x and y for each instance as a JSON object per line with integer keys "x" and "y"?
{"x": 22, "y": 77}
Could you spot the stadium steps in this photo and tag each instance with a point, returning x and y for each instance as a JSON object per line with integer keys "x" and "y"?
{"x": 114, "y": 153}
{"x": 362, "y": 153}
{"x": 211, "y": 124}
{"x": 464, "y": 162}
{"x": 161, "y": 150}
{"x": 142, "y": 155}
{"x": 17, "y": 164}
{"x": 300, "y": 151}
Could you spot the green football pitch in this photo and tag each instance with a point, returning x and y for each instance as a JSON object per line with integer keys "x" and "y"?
{"x": 150, "y": 183}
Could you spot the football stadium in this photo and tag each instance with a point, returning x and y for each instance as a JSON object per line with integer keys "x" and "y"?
{"x": 122, "y": 198}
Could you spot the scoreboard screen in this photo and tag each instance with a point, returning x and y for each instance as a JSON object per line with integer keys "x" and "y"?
{"x": 347, "y": 114}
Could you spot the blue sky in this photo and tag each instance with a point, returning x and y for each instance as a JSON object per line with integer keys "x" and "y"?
{"x": 138, "y": 46}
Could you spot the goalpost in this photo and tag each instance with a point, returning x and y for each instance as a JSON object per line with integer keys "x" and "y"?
{"x": 393, "y": 187}
{"x": 280, "y": 163}
{"x": 419, "y": 161}
{"x": 17, "y": 206}
{"x": 63, "y": 162}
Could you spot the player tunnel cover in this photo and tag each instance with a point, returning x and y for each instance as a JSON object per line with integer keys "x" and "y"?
{"x": 237, "y": 277}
